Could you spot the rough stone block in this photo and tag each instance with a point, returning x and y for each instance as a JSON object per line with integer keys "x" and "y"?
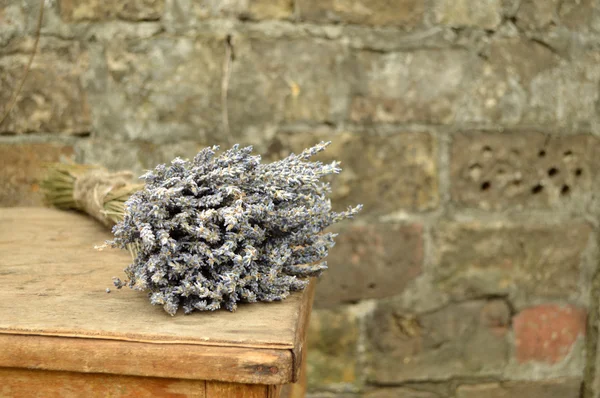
{"x": 371, "y": 261}
{"x": 134, "y": 156}
{"x": 403, "y": 13}
{"x": 522, "y": 170}
{"x": 163, "y": 89}
{"x": 283, "y": 80}
{"x": 401, "y": 393}
{"x": 12, "y": 21}
{"x": 99, "y": 10}
{"x": 188, "y": 13}
{"x": 548, "y": 332}
{"x": 464, "y": 339}
{"x": 556, "y": 388}
{"x": 421, "y": 86}
{"x": 52, "y": 99}
{"x": 523, "y": 261}
{"x": 332, "y": 357}
{"x": 485, "y": 14}
{"x": 384, "y": 173}
{"x": 580, "y": 15}
{"x": 524, "y": 82}
{"x": 21, "y": 167}
{"x": 537, "y": 14}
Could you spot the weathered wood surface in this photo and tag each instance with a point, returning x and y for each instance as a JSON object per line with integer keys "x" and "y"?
{"x": 50, "y": 384}
{"x": 53, "y": 294}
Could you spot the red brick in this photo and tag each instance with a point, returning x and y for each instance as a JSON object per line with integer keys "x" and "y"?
{"x": 546, "y": 333}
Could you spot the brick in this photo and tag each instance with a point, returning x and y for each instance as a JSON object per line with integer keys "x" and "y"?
{"x": 420, "y": 86}
{"x": 580, "y": 15}
{"x": 21, "y": 168}
{"x": 52, "y": 99}
{"x": 163, "y": 90}
{"x": 522, "y": 170}
{"x": 99, "y": 10}
{"x": 371, "y": 261}
{"x": 12, "y": 22}
{"x": 401, "y": 393}
{"x": 406, "y": 14}
{"x": 523, "y": 82}
{"x": 547, "y": 333}
{"x": 537, "y": 14}
{"x": 277, "y": 81}
{"x": 189, "y": 13}
{"x": 499, "y": 87}
{"x": 522, "y": 261}
{"x": 370, "y": 169}
{"x": 333, "y": 340}
{"x": 557, "y": 388}
{"x": 485, "y": 14}
{"x": 461, "y": 339}
{"x": 134, "y": 156}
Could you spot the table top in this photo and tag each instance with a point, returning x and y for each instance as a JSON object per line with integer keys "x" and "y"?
{"x": 53, "y": 298}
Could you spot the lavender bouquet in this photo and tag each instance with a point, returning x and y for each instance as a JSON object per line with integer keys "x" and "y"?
{"x": 225, "y": 228}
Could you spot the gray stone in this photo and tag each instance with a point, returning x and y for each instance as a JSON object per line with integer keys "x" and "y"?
{"x": 580, "y": 15}
{"x": 142, "y": 90}
{"x": 134, "y": 156}
{"x": 523, "y": 170}
{"x": 370, "y": 167}
{"x": 537, "y": 14}
{"x": 285, "y": 80}
{"x": 538, "y": 260}
{"x": 188, "y": 13}
{"x": 52, "y": 99}
{"x": 557, "y": 388}
{"x": 464, "y": 339}
{"x": 99, "y": 10}
{"x": 406, "y": 14}
{"x": 371, "y": 261}
{"x": 485, "y": 14}
{"x": 420, "y": 86}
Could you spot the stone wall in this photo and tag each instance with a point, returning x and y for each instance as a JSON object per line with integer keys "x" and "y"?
{"x": 470, "y": 130}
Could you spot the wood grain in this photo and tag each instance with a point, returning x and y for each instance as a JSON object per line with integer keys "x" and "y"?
{"x": 215, "y": 389}
{"x": 240, "y": 365}
{"x": 54, "y": 284}
{"x": 17, "y": 383}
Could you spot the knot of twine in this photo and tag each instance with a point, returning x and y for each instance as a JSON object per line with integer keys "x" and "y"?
{"x": 90, "y": 190}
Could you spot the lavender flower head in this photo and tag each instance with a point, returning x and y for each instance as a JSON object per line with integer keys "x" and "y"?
{"x": 223, "y": 229}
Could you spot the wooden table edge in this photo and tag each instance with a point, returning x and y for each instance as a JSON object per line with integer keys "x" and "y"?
{"x": 187, "y": 361}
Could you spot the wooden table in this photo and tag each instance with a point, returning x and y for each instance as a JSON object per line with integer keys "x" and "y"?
{"x": 62, "y": 335}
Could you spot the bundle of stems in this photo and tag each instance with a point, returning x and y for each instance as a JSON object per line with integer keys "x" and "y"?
{"x": 89, "y": 188}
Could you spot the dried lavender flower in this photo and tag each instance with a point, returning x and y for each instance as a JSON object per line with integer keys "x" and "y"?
{"x": 223, "y": 229}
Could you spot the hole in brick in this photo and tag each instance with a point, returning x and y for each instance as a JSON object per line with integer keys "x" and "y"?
{"x": 542, "y": 153}
{"x": 537, "y": 189}
{"x": 475, "y": 171}
{"x": 552, "y": 171}
{"x": 500, "y": 172}
{"x": 486, "y": 185}
{"x": 517, "y": 182}
{"x": 487, "y": 150}
{"x": 565, "y": 190}
{"x": 578, "y": 172}
{"x": 371, "y": 286}
{"x": 515, "y": 152}
{"x": 568, "y": 155}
